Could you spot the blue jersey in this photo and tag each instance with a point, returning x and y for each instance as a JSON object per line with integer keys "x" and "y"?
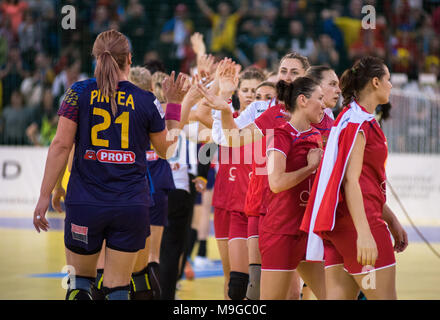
{"x": 160, "y": 171}
{"x": 109, "y": 165}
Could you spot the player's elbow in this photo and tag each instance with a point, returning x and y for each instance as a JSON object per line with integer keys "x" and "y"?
{"x": 166, "y": 151}
{"x": 274, "y": 184}
{"x": 61, "y": 145}
{"x": 350, "y": 182}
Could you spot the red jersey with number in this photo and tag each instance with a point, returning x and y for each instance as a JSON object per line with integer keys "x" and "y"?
{"x": 372, "y": 179}
{"x": 285, "y": 210}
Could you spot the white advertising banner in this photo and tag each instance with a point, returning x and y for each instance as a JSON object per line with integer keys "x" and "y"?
{"x": 22, "y": 170}
{"x": 416, "y": 180}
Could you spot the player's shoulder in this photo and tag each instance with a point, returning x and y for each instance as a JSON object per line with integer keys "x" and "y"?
{"x": 315, "y": 131}
{"x": 285, "y": 129}
{"x": 80, "y": 86}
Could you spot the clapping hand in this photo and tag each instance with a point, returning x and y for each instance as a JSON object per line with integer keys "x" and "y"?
{"x": 175, "y": 90}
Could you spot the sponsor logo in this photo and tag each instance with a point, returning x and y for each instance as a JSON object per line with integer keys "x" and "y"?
{"x": 79, "y": 233}
{"x": 90, "y": 155}
{"x": 116, "y": 156}
{"x": 151, "y": 155}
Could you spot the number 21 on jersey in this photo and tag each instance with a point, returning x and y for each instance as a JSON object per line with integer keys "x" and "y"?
{"x": 123, "y": 120}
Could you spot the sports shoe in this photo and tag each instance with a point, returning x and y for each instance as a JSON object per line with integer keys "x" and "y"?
{"x": 203, "y": 263}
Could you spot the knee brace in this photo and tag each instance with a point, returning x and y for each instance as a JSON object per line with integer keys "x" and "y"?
{"x": 238, "y": 283}
{"x": 96, "y": 291}
{"x": 253, "y": 289}
{"x": 140, "y": 288}
{"x": 117, "y": 293}
{"x": 78, "y": 294}
{"x": 154, "y": 277}
{"x": 79, "y": 288}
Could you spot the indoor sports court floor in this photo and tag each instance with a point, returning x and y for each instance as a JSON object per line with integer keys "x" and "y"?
{"x": 32, "y": 264}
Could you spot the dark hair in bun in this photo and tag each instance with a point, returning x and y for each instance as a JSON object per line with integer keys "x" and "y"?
{"x": 355, "y": 79}
{"x": 289, "y": 92}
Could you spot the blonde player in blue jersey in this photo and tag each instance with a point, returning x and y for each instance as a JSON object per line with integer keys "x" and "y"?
{"x": 112, "y": 123}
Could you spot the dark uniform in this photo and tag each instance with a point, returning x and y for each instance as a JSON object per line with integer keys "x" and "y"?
{"x": 108, "y": 194}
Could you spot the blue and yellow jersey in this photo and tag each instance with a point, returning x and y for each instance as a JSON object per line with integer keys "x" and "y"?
{"x": 109, "y": 166}
{"x": 160, "y": 171}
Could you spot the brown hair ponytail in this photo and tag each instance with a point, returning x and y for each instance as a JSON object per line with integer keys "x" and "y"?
{"x": 111, "y": 50}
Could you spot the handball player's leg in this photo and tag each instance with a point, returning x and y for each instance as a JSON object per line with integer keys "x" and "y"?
{"x": 378, "y": 284}
{"x": 339, "y": 284}
{"x": 118, "y": 268}
{"x": 80, "y": 283}
{"x": 223, "y": 249}
{"x": 313, "y": 275}
{"x": 275, "y": 285}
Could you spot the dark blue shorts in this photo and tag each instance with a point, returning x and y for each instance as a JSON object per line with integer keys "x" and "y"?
{"x": 159, "y": 212}
{"x": 124, "y": 228}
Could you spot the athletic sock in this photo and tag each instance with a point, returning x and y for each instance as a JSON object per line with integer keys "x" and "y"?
{"x": 202, "y": 248}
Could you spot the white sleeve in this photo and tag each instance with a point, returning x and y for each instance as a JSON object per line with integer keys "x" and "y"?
{"x": 217, "y": 131}
{"x": 247, "y": 116}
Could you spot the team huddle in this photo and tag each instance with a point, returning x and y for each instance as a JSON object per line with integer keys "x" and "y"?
{"x": 299, "y": 196}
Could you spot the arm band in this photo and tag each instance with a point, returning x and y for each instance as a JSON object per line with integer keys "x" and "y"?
{"x": 173, "y": 111}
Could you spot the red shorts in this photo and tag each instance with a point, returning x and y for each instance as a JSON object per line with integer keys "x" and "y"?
{"x": 253, "y": 223}
{"x": 281, "y": 252}
{"x": 341, "y": 248}
{"x": 229, "y": 225}
{"x": 238, "y": 226}
{"x": 221, "y": 223}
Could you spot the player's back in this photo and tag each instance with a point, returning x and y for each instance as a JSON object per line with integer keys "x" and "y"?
{"x": 109, "y": 164}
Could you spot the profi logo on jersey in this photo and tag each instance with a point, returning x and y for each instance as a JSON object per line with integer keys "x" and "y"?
{"x": 79, "y": 233}
{"x": 151, "y": 155}
{"x": 116, "y": 156}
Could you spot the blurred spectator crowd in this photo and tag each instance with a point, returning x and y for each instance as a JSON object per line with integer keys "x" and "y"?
{"x": 39, "y": 60}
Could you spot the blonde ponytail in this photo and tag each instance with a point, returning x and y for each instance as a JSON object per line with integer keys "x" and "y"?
{"x": 111, "y": 50}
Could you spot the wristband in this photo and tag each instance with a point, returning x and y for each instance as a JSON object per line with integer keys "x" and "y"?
{"x": 203, "y": 179}
{"x": 173, "y": 111}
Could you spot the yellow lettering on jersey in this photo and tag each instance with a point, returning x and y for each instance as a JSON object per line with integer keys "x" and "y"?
{"x": 93, "y": 95}
{"x": 121, "y": 97}
{"x": 100, "y": 127}
{"x": 130, "y": 101}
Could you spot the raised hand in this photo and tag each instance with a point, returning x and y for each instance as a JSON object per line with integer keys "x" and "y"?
{"x": 228, "y": 77}
{"x": 206, "y": 65}
{"x": 175, "y": 90}
{"x": 212, "y": 100}
{"x": 194, "y": 95}
{"x": 197, "y": 43}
